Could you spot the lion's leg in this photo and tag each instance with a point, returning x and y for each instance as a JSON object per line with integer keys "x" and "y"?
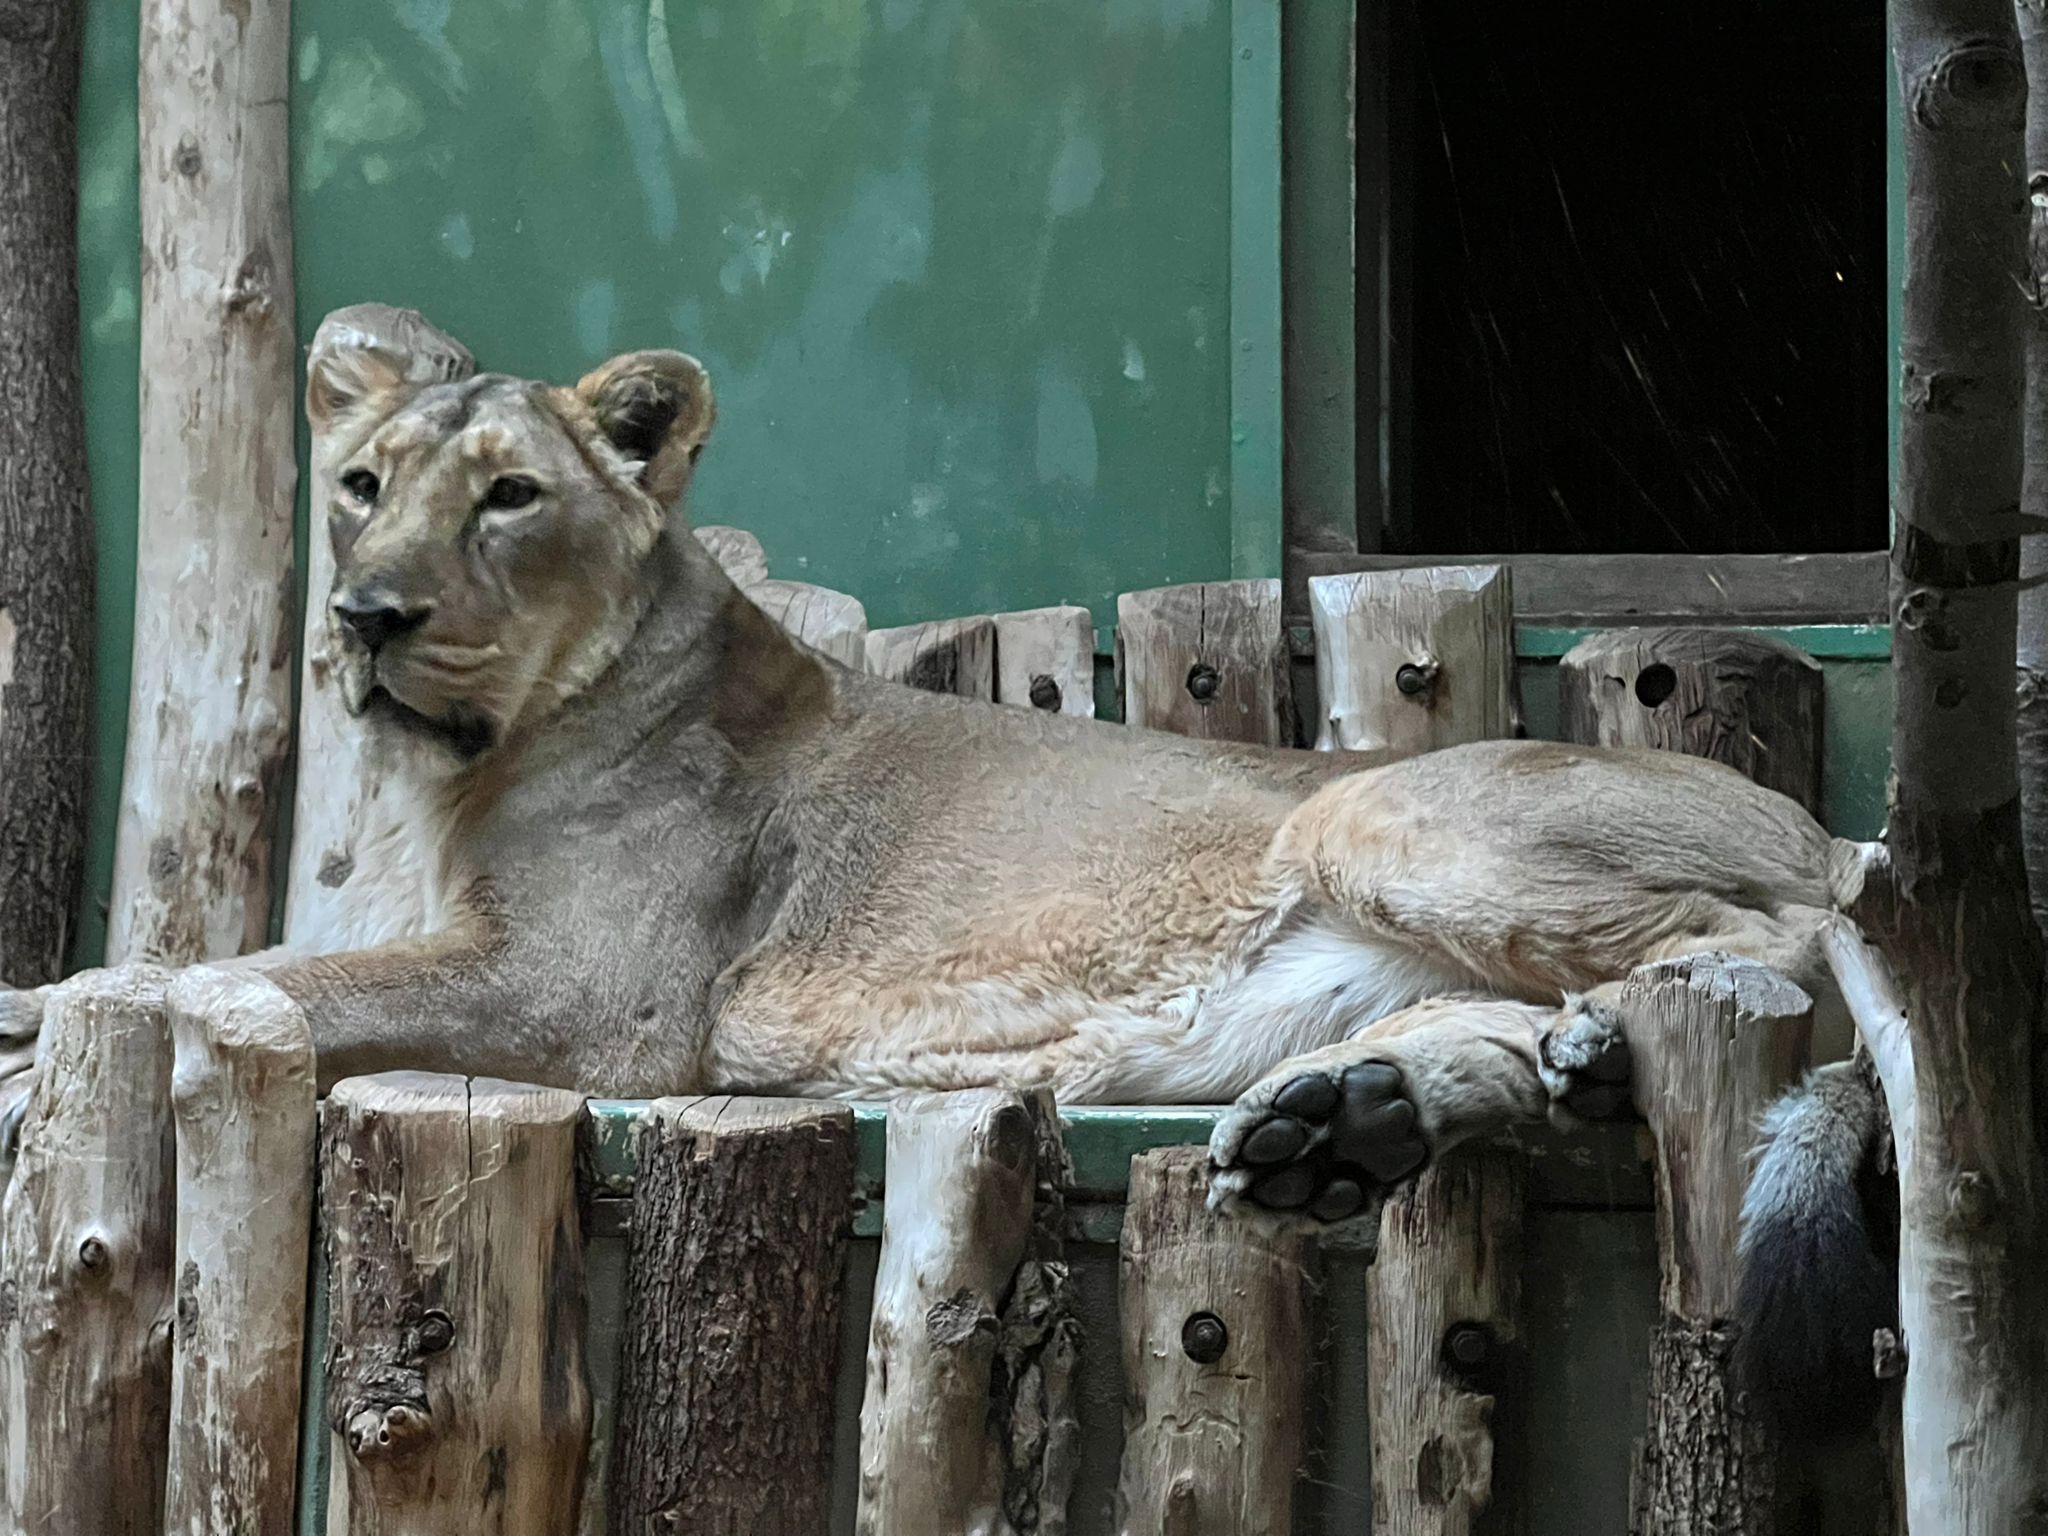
{"x": 1328, "y": 1133}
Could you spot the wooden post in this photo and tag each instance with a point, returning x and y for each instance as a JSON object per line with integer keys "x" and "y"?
{"x": 1737, "y": 697}
{"x": 828, "y": 622}
{"x": 1406, "y": 662}
{"x": 455, "y": 1378}
{"x": 1409, "y": 661}
{"x": 209, "y": 715}
{"x": 738, "y": 553}
{"x": 1216, "y": 1348}
{"x": 1045, "y": 659}
{"x": 945, "y": 656}
{"x": 966, "y": 1225}
{"x": 741, "y": 1210}
{"x": 1207, "y": 660}
{"x": 1713, "y": 1039}
{"x": 357, "y": 810}
{"x": 85, "y": 1267}
{"x": 46, "y": 544}
{"x": 244, "y": 1092}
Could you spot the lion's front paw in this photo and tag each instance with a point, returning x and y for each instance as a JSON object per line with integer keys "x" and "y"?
{"x": 1324, "y": 1142}
{"x": 1585, "y": 1062}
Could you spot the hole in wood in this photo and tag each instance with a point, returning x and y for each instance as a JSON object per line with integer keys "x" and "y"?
{"x": 1654, "y": 684}
{"x": 1202, "y": 682}
{"x": 1045, "y": 693}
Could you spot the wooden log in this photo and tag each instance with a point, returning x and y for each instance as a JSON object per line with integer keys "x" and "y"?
{"x": 1045, "y": 659}
{"x": 46, "y": 543}
{"x": 455, "y": 1382}
{"x": 1443, "y": 1310}
{"x": 243, "y": 1089}
{"x": 85, "y": 1267}
{"x": 209, "y": 715}
{"x": 1406, "y": 662}
{"x": 1208, "y": 660}
{"x": 956, "y": 656}
{"x": 968, "y": 1422}
{"x": 741, "y": 1211}
{"x": 738, "y": 553}
{"x": 1714, "y": 1039}
{"x": 828, "y": 622}
{"x": 1738, "y": 697}
{"x": 1216, "y": 1351}
{"x": 360, "y": 853}
{"x": 1409, "y": 661}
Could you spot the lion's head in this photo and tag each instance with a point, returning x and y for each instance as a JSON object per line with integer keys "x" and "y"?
{"x": 489, "y": 533}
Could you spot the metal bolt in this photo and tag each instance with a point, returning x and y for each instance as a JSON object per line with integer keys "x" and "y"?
{"x": 1416, "y": 678}
{"x": 1468, "y": 1346}
{"x": 1203, "y": 681}
{"x": 436, "y": 1332}
{"x": 1045, "y": 693}
{"x": 92, "y": 1254}
{"x": 1204, "y": 1338}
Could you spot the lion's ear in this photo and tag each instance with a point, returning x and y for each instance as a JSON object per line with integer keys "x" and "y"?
{"x": 368, "y": 359}
{"x": 656, "y": 409}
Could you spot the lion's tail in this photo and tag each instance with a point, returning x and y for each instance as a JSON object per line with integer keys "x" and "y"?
{"x": 1819, "y": 1251}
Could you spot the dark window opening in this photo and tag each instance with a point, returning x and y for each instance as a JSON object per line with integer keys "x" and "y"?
{"x": 1636, "y": 277}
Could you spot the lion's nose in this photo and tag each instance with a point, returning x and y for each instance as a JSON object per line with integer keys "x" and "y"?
{"x": 374, "y": 617}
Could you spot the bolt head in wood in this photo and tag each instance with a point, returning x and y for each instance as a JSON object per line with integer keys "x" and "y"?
{"x": 1204, "y": 1337}
{"x": 92, "y": 1255}
{"x": 1045, "y": 693}
{"x": 436, "y": 1332}
{"x": 1416, "y": 678}
{"x": 1203, "y": 681}
{"x": 1468, "y": 1347}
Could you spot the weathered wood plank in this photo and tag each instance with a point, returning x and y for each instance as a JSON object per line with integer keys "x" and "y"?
{"x": 1045, "y": 659}
{"x": 741, "y": 1211}
{"x": 827, "y": 621}
{"x": 955, "y": 656}
{"x": 738, "y": 553}
{"x": 1208, "y": 660}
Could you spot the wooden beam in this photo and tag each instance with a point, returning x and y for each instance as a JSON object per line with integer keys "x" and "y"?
{"x": 245, "y": 1105}
{"x": 955, "y": 656}
{"x": 1216, "y": 1350}
{"x": 455, "y": 1380}
{"x": 828, "y": 622}
{"x": 738, "y": 553}
{"x": 86, "y": 1234}
{"x": 1208, "y": 660}
{"x": 210, "y": 708}
{"x": 1045, "y": 660}
{"x": 741, "y": 1210}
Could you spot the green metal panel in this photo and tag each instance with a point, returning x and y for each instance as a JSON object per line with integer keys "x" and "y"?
{"x": 1255, "y": 452}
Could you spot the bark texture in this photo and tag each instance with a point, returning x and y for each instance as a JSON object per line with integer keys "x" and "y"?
{"x": 85, "y": 1268}
{"x": 46, "y": 559}
{"x": 1216, "y": 1350}
{"x": 209, "y": 717}
{"x": 1713, "y": 1039}
{"x": 2032, "y": 682}
{"x": 243, "y": 1089}
{"x": 455, "y": 1380}
{"x": 1207, "y": 660}
{"x": 741, "y": 1210}
{"x": 1744, "y": 699}
{"x": 1953, "y": 913}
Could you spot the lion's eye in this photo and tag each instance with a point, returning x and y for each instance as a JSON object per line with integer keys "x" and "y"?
{"x": 361, "y": 484}
{"x": 508, "y": 493}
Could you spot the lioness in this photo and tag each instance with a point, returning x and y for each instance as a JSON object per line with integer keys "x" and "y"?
{"x": 680, "y": 852}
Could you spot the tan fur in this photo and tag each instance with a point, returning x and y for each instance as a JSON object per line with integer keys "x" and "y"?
{"x": 695, "y": 856}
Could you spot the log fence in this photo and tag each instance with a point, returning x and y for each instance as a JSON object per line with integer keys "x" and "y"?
{"x": 153, "y": 1375}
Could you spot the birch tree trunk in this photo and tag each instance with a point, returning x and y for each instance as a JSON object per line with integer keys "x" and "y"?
{"x": 46, "y": 570}
{"x": 209, "y": 718}
{"x": 362, "y": 858}
{"x": 1952, "y": 911}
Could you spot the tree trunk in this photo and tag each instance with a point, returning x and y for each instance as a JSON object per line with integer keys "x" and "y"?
{"x": 1443, "y": 1303}
{"x": 243, "y": 1088}
{"x": 967, "y": 1425}
{"x": 209, "y": 717}
{"x": 362, "y": 860}
{"x": 1409, "y": 661}
{"x": 1953, "y": 912}
{"x": 1216, "y": 1349}
{"x": 46, "y": 567}
{"x": 741, "y": 1209}
{"x": 1045, "y": 659}
{"x": 1208, "y": 660}
{"x": 455, "y": 1281}
{"x": 955, "y": 656}
{"x": 1728, "y": 695}
{"x": 85, "y": 1268}
{"x": 1713, "y": 1040}
{"x": 2032, "y": 16}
